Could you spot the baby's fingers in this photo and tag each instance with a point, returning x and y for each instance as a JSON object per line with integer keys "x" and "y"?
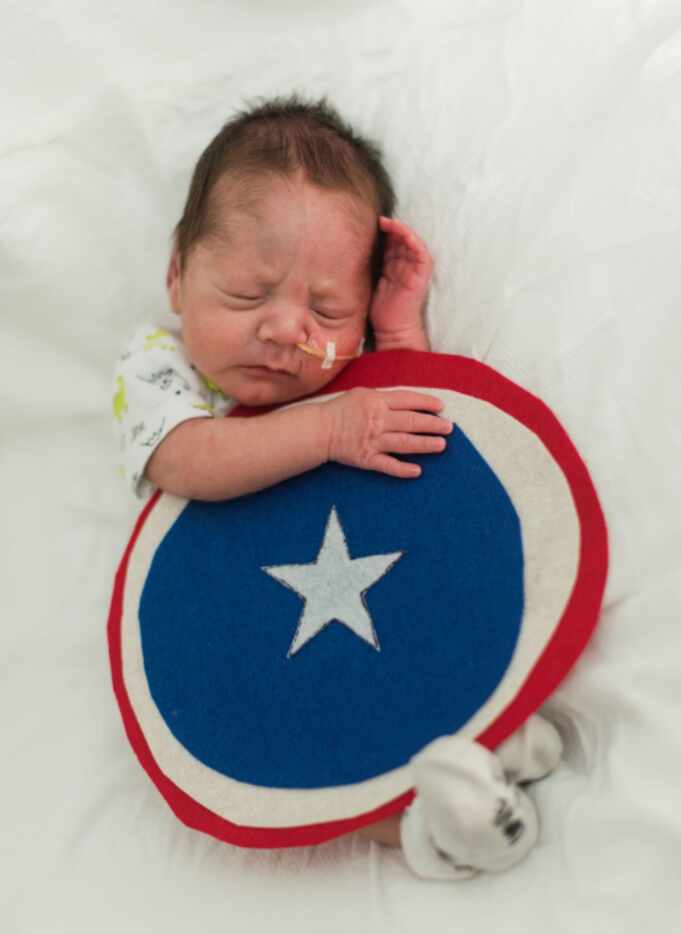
{"x": 404, "y": 443}
{"x": 383, "y": 463}
{"x": 400, "y": 233}
{"x": 419, "y": 423}
{"x": 417, "y": 401}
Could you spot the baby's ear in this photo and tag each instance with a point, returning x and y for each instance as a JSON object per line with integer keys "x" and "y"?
{"x": 173, "y": 279}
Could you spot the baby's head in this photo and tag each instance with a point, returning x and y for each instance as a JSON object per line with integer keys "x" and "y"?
{"x": 278, "y": 250}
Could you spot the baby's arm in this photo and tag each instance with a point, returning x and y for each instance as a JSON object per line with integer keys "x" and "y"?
{"x": 221, "y": 458}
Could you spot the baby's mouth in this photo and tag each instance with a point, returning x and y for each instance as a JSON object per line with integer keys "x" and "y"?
{"x": 272, "y": 370}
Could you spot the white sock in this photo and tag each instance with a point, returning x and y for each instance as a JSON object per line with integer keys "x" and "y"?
{"x": 422, "y": 855}
{"x": 532, "y": 752}
{"x": 466, "y": 816}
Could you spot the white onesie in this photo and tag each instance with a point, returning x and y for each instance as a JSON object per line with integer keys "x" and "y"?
{"x": 156, "y": 387}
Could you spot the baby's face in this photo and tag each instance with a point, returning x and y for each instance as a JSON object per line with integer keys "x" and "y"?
{"x": 290, "y": 267}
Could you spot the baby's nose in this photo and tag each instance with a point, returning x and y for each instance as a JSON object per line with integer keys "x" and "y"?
{"x": 284, "y": 325}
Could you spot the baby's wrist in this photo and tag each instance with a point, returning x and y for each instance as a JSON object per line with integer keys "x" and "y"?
{"x": 414, "y": 338}
{"x": 326, "y": 427}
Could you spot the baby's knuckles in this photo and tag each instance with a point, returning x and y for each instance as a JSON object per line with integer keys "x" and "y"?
{"x": 359, "y": 420}
{"x": 372, "y": 425}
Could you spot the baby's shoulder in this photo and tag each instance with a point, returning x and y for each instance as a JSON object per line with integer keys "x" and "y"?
{"x": 150, "y": 338}
{"x": 153, "y": 345}
{"x": 156, "y": 353}
{"x": 157, "y": 358}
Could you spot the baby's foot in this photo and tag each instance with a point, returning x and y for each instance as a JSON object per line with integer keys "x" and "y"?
{"x": 469, "y": 816}
{"x": 423, "y": 857}
{"x": 532, "y": 752}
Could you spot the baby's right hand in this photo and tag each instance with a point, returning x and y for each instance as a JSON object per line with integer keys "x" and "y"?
{"x": 367, "y": 423}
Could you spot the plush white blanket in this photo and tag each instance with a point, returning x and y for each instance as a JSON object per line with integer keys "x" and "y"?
{"x": 536, "y": 148}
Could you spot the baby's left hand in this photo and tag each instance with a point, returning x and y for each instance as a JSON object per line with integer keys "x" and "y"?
{"x": 400, "y": 296}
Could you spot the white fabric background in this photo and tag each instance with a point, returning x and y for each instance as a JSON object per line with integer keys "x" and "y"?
{"x": 536, "y": 147}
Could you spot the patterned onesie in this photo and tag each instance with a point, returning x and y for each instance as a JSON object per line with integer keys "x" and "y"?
{"x": 156, "y": 387}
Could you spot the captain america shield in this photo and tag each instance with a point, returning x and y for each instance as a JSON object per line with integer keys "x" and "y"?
{"x": 280, "y": 657}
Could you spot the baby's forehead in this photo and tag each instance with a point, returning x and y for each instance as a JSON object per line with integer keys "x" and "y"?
{"x": 262, "y": 203}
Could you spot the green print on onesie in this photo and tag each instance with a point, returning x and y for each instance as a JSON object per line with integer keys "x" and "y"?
{"x": 120, "y": 403}
{"x": 211, "y": 385}
{"x": 156, "y": 340}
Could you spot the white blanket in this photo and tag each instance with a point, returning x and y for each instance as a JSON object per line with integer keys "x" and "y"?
{"x": 536, "y": 148}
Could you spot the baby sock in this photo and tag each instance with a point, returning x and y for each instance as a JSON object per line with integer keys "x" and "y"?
{"x": 466, "y": 816}
{"x": 532, "y": 752}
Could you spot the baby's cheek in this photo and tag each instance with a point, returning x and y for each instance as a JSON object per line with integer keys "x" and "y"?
{"x": 196, "y": 341}
{"x": 346, "y": 338}
{"x": 205, "y": 341}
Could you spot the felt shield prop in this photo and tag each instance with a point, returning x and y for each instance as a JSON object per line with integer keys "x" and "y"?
{"x": 280, "y": 657}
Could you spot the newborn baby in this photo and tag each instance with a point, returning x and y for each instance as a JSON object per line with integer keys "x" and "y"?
{"x": 286, "y": 259}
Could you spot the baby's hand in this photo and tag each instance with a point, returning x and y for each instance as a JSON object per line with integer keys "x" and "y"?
{"x": 367, "y": 423}
{"x": 398, "y": 304}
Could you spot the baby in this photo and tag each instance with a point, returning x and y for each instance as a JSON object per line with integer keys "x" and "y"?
{"x": 285, "y": 261}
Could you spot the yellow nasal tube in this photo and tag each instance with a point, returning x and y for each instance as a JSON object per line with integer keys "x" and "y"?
{"x": 329, "y": 357}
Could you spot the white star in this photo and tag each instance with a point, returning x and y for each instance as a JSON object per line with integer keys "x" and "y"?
{"x": 333, "y": 586}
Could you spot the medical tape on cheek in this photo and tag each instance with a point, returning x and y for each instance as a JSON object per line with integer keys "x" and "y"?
{"x": 330, "y": 355}
{"x": 329, "y": 358}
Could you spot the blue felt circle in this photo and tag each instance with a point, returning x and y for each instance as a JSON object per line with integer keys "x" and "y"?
{"x": 216, "y": 628}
